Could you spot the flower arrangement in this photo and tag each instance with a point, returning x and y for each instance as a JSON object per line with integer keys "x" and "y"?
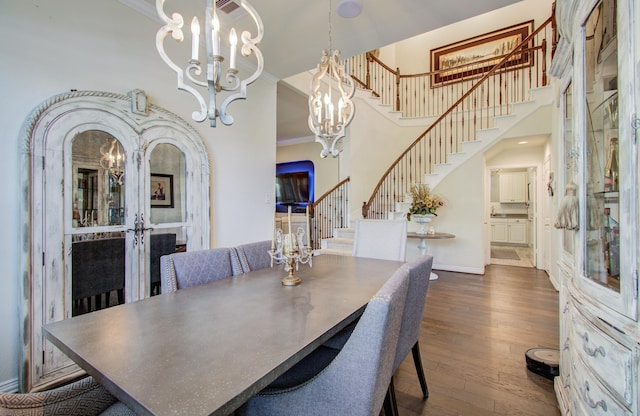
{"x": 423, "y": 201}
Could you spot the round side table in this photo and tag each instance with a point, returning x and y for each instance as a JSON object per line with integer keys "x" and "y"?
{"x": 423, "y": 243}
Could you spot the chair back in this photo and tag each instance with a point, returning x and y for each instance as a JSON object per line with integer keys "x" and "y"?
{"x": 84, "y": 397}
{"x": 380, "y": 239}
{"x": 191, "y": 268}
{"x": 97, "y": 266}
{"x": 161, "y": 245}
{"x": 419, "y": 271}
{"x": 355, "y": 382}
{"x": 254, "y": 256}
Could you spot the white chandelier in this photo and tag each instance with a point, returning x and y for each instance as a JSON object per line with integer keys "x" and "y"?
{"x": 112, "y": 159}
{"x": 236, "y": 88}
{"x": 330, "y": 105}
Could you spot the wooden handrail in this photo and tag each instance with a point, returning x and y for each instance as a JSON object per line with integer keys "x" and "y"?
{"x": 491, "y": 72}
{"x": 330, "y": 211}
{"x": 330, "y": 191}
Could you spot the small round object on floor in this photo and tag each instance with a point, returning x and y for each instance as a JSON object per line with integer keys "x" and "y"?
{"x": 543, "y": 361}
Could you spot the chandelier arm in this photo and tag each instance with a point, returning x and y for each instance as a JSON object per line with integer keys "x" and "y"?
{"x": 257, "y": 20}
{"x": 233, "y": 81}
{"x": 194, "y": 67}
{"x": 173, "y": 26}
{"x": 242, "y": 94}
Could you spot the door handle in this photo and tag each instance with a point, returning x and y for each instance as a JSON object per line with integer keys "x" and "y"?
{"x": 138, "y": 224}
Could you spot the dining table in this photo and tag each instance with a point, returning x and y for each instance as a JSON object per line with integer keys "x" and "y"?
{"x": 207, "y": 349}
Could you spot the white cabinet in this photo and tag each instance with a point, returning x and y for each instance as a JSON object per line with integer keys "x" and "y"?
{"x": 599, "y": 328}
{"x": 499, "y": 231}
{"x": 513, "y": 187}
{"x": 511, "y": 230}
{"x": 517, "y": 231}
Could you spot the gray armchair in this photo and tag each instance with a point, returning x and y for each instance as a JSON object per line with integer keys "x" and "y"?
{"x": 82, "y": 398}
{"x": 355, "y": 381}
{"x": 254, "y": 256}
{"x": 191, "y": 268}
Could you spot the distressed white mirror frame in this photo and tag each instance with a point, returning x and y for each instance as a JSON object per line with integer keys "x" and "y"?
{"x": 46, "y": 139}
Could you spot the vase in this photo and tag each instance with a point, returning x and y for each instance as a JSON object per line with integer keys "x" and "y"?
{"x": 422, "y": 219}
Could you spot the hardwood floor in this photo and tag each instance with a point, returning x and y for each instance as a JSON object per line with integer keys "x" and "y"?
{"x": 475, "y": 331}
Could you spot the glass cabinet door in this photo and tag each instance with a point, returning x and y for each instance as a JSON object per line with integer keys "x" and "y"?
{"x": 607, "y": 274}
{"x": 571, "y": 167}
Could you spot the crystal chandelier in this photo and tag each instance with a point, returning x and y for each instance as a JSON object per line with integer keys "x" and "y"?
{"x": 112, "y": 159}
{"x": 212, "y": 68}
{"x": 330, "y": 105}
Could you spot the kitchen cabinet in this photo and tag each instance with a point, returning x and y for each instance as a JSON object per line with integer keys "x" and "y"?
{"x": 513, "y": 187}
{"x": 517, "y": 231}
{"x": 509, "y": 230}
{"x": 499, "y": 231}
{"x": 599, "y": 328}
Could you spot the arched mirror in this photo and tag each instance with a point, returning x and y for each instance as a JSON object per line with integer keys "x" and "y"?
{"x": 112, "y": 185}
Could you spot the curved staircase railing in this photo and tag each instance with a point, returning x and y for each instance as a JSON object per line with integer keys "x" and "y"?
{"x": 493, "y": 94}
{"x": 330, "y": 211}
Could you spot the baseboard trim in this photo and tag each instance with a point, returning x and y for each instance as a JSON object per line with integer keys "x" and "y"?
{"x": 460, "y": 269}
{"x": 9, "y": 386}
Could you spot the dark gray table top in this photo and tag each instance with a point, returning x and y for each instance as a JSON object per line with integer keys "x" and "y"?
{"x": 205, "y": 350}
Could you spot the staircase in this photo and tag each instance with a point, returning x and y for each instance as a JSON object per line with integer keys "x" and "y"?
{"x": 341, "y": 243}
{"x": 480, "y": 111}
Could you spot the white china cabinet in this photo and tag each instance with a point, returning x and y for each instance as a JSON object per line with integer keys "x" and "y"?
{"x": 596, "y": 61}
{"x": 108, "y": 176}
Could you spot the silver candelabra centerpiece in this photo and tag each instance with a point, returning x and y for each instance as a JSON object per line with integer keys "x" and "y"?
{"x": 290, "y": 250}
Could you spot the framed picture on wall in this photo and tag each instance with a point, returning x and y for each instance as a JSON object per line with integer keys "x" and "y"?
{"x": 161, "y": 190}
{"x": 473, "y": 57}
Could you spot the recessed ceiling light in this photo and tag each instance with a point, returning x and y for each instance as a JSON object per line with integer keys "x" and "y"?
{"x": 349, "y": 8}
{"x": 523, "y": 142}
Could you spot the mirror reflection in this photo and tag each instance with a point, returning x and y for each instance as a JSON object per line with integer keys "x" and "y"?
{"x": 98, "y": 178}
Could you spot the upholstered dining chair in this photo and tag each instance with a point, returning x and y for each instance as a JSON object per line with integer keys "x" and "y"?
{"x": 84, "y": 397}
{"x": 191, "y": 268}
{"x": 354, "y": 382}
{"x": 161, "y": 245}
{"x": 419, "y": 271}
{"x": 380, "y": 239}
{"x": 254, "y": 256}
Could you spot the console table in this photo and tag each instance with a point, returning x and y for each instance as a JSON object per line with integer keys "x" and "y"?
{"x": 423, "y": 243}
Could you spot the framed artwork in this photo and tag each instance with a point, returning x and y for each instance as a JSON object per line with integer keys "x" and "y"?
{"x": 161, "y": 190}
{"x": 475, "y": 56}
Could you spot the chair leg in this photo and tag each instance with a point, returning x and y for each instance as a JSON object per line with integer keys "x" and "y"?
{"x": 390, "y": 406}
{"x": 418, "y": 362}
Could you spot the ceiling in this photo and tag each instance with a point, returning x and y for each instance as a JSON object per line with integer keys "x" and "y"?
{"x": 296, "y": 32}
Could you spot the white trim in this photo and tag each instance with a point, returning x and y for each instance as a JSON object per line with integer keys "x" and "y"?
{"x": 9, "y": 386}
{"x": 459, "y": 269}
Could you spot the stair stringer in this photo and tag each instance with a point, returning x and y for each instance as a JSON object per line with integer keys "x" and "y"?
{"x": 539, "y": 98}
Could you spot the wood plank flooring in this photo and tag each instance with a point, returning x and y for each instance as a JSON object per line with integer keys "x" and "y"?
{"x": 475, "y": 331}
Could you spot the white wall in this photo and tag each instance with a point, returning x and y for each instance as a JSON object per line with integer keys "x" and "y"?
{"x": 52, "y": 47}
{"x": 420, "y": 46}
{"x": 462, "y": 216}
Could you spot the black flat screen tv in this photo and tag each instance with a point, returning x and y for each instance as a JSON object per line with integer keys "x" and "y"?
{"x": 294, "y": 186}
